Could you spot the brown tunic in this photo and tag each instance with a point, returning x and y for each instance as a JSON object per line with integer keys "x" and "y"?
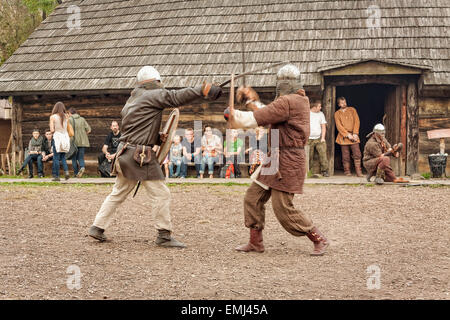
{"x": 372, "y": 150}
{"x": 290, "y": 115}
{"x": 141, "y": 123}
{"x": 346, "y": 122}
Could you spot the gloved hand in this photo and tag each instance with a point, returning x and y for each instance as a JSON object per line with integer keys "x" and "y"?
{"x": 211, "y": 91}
{"x": 246, "y": 93}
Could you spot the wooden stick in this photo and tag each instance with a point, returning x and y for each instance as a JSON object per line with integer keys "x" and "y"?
{"x": 231, "y": 101}
{"x": 9, "y": 144}
{"x": 442, "y": 145}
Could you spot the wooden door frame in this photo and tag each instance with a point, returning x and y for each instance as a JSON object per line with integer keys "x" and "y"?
{"x": 407, "y": 101}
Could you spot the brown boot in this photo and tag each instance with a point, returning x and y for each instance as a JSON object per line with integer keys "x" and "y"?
{"x": 255, "y": 243}
{"x": 319, "y": 240}
{"x": 347, "y": 166}
{"x": 358, "y": 168}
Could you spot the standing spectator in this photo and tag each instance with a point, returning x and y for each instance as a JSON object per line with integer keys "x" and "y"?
{"x": 347, "y": 124}
{"x": 61, "y": 141}
{"x": 47, "y": 149}
{"x": 191, "y": 152}
{"x": 109, "y": 150}
{"x": 212, "y": 147}
{"x": 34, "y": 154}
{"x": 318, "y": 130}
{"x": 176, "y": 156}
{"x": 81, "y": 129}
{"x": 233, "y": 151}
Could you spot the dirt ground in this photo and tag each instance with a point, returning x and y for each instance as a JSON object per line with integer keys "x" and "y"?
{"x": 403, "y": 232}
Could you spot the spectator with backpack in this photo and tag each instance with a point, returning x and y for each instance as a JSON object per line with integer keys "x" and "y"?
{"x": 81, "y": 130}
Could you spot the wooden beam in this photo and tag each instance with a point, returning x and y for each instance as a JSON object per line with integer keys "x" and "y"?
{"x": 328, "y": 109}
{"x": 360, "y": 79}
{"x": 403, "y": 129}
{"x": 412, "y": 148}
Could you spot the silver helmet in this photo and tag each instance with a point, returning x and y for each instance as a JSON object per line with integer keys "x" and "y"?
{"x": 288, "y": 80}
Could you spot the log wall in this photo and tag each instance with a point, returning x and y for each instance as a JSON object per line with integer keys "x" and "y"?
{"x": 100, "y": 110}
{"x": 434, "y": 113}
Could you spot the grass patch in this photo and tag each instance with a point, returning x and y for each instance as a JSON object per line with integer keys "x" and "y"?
{"x": 426, "y": 175}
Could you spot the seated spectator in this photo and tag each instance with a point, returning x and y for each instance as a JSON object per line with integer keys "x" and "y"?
{"x": 233, "y": 153}
{"x": 212, "y": 148}
{"x": 47, "y": 150}
{"x": 165, "y": 164}
{"x": 257, "y": 150}
{"x": 34, "y": 154}
{"x": 175, "y": 157}
{"x": 81, "y": 129}
{"x": 191, "y": 152}
{"x": 109, "y": 150}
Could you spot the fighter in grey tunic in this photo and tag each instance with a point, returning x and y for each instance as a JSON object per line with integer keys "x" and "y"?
{"x": 141, "y": 123}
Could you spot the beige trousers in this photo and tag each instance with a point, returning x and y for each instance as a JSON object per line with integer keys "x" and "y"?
{"x": 156, "y": 190}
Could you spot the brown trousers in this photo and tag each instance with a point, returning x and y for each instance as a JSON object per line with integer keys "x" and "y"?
{"x": 293, "y": 220}
{"x": 384, "y": 164}
{"x": 356, "y": 152}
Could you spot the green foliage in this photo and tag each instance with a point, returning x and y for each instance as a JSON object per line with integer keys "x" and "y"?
{"x": 426, "y": 175}
{"x": 18, "y": 19}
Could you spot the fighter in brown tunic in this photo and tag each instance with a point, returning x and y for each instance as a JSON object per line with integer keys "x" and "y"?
{"x": 141, "y": 122}
{"x": 376, "y": 156}
{"x": 284, "y": 175}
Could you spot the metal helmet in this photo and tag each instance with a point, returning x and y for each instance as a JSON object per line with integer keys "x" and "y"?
{"x": 148, "y": 74}
{"x": 288, "y": 80}
{"x": 379, "y": 128}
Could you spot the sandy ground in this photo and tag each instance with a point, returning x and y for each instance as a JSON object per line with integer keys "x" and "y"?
{"x": 402, "y": 232}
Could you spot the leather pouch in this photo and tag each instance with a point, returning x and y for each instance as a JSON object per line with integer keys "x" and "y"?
{"x": 142, "y": 155}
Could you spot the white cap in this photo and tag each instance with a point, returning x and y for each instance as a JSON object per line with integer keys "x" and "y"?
{"x": 148, "y": 73}
{"x": 379, "y": 128}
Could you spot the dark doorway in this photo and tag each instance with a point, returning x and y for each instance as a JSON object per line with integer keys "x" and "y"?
{"x": 370, "y": 102}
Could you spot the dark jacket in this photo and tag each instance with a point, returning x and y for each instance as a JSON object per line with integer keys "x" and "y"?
{"x": 141, "y": 124}
{"x": 46, "y": 148}
{"x": 290, "y": 115}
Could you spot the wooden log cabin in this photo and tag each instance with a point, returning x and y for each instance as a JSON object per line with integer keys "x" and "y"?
{"x": 390, "y": 59}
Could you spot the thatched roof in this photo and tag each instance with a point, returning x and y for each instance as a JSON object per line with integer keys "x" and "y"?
{"x": 190, "y": 41}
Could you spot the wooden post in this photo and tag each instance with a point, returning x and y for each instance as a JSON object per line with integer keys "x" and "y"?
{"x": 3, "y": 162}
{"x": 403, "y": 130}
{"x": 9, "y": 164}
{"x": 329, "y": 107}
{"x": 412, "y": 147}
{"x": 440, "y": 134}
